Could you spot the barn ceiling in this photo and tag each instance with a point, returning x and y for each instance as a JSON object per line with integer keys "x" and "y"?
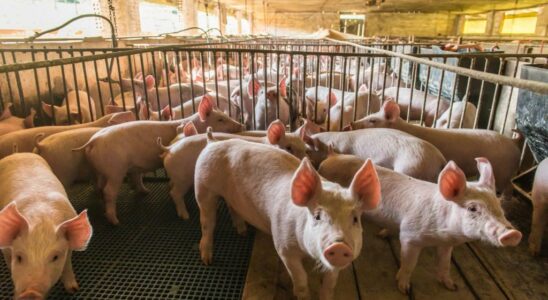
{"x": 330, "y": 6}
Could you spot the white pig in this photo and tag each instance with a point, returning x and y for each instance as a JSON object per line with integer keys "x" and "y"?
{"x": 460, "y": 145}
{"x": 80, "y": 108}
{"x": 39, "y": 228}
{"x": 69, "y": 166}
{"x": 388, "y": 148}
{"x": 540, "y": 207}
{"x": 442, "y": 215}
{"x": 345, "y": 109}
{"x": 458, "y": 109}
{"x": 159, "y": 98}
{"x": 306, "y": 215}
{"x": 180, "y": 158}
{"x": 131, "y": 148}
{"x": 10, "y": 123}
{"x": 271, "y": 104}
{"x": 24, "y": 139}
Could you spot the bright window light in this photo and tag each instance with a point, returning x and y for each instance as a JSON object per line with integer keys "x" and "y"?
{"x": 519, "y": 22}
{"x": 231, "y": 25}
{"x": 352, "y": 17}
{"x": 159, "y": 18}
{"x": 207, "y": 21}
{"x": 474, "y": 25}
{"x": 24, "y": 17}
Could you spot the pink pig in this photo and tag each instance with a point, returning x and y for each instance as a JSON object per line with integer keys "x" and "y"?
{"x": 131, "y": 148}
{"x": 39, "y": 228}
{"x": 307, "y": 215}
{"x": 10, "y": 123}
{"x": 442, "y": 215}
{"x": 460, "y": 145}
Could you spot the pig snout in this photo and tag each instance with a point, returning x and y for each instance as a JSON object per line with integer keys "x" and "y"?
{"x": 30, "y": 294}
{"x": 338, "y": 254}
{"x": 510, "y": 238}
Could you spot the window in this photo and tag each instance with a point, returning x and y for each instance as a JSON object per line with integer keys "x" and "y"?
{"x": 159, "y": 18}
{"x": 231, "y": 25}
{"x": 474, "y": 24}
{"x": 352, "y": 23}
{"x": 519, "y": 22}
{"x": 22, "y": 18}
{"x": 207, "y": 21}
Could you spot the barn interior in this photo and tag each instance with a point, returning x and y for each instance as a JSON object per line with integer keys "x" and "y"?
{"x": 115, "y": 108}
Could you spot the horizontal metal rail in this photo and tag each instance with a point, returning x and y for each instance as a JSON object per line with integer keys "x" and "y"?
{"x": 534, "y": 86}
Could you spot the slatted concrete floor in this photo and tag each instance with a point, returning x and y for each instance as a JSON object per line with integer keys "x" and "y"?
{"x": 480, "y": 271}
{"x": 152, "y": 254}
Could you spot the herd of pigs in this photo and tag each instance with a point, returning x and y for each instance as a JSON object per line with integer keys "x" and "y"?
{"x": 309, "y": 189}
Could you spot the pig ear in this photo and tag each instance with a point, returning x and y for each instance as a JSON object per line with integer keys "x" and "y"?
{"x": 48, "y": 109}
{"x": 283, "y": 87}
{"x": 122, "y": 117}
{"x": 391, "y": 111}
{"x": 12, "y": 223}
{"x": 486, "y": 173}
{"x": 189, "y": 129}
{"x": 167, "y": 113}
{"x": 366, "y": 186}
{"x": 77, "y": 231}
{"x": 138, "y": 76}
{"x": 205, "y": 107}
{"x": 29, "y": 120}
{"x": 333, "y": 99}
{"x": 363, "y": 89}
{"x": 452, "y": 182}
{"x": 253, "y": 85}
{"x": 275, "y": 132}
{"x": 149, "y": 82}
{"x": 6, "y": 113}
{"x": 144, "y": 112}
{"x": 305, "y": 185}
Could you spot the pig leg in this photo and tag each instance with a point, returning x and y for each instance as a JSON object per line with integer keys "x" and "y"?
{"x": 110, "y": 193}
{"x": 177, "y": 194}
{"x": 540, "y": 219}
{"x": 207, "y": 202}
{"x": 137, "y": 183}
{"x": 444, "y": 267}
{"x": 329, "y": 281}
{"x": 294, "y": 265}
{"x": 68, "y": 278}
{"x": 237, "y": 222}
{"x": 409, "y": 256}
{"x": 7, "y": 257}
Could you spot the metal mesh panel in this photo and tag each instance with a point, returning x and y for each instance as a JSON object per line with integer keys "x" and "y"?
{"x": 152, "y": 254}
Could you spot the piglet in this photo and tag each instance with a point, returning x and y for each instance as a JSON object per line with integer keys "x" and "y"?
{"x": 442, "y": 215}
{"x": 23, "y": 140}
{"x": 69, "y": 166}
{"x": 460, "y": 145}
{"x": 131, "y": 148}
{"x": 460, "y": 110}
{"x": 180, "y": 158}
{"x": 347, "y": 109}
{"x": 540, "y": 207}
{"x": 10, "y": 123}
{"x": 39, "y": 228}
{"x": 77, "y": 108}
{"x": 306, "y": 215}
{"x": 389, "y": 148}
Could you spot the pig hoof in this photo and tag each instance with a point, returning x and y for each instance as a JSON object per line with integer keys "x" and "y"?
{"x": 71, "y": 286}
{"x": 113, "y": 220}
{"x": 183, "y": 215}
{"x": 404, "y": 288}
{"x": 207, "y": 257}
{"x": 384, "y": 233}
{"x": 242, "y": 231}
{"x": 449, "y": 284}
{"x": 534, "y": 249}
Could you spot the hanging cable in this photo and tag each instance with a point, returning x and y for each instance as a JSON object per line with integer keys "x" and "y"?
{"x": 112, "y": 16}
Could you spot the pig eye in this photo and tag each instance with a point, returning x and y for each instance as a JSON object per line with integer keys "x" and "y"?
{"x": 356, "y": 220}
{"x": 372, "y": 121}
{"x": 19, "y": 259}
{"x": 472, "y": 208}
{"x": 288, "y": 148}
{"x": 221, "y": 120}
{"x": 54, "y": 258}
{"x": 317, "y": 216}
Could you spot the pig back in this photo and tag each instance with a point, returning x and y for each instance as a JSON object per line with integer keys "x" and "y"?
{"x": 28, "y": 179}
{"x": 254, "y": 179}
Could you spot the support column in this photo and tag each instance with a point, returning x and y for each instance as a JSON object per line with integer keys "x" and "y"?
{"x": 239, "y": 20}
{"x": 221, "y": 13}
{"x": 542, "y": 21}
{"x": 128, "y": 20}
{"x": 250, "y": 22}
{"x": 189, "y": 13}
